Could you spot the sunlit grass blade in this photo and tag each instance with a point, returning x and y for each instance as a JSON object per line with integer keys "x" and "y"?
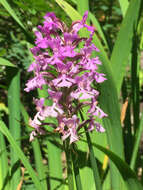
{"x": 21, "y": 155}
{"x": 123, "y": 44}
{"x": 37, "y": 154}
{"x": 82, "y": 6}
{"x": 124, "y": 6}
{"x": 5, "y": 62}
{"x": 13, "y": 77}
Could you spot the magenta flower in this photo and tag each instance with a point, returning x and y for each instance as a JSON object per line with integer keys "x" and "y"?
{"x": 69, "y": 71}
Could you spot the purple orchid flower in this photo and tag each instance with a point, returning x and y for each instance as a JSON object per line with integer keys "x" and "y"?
{"x": 69, "y": 70}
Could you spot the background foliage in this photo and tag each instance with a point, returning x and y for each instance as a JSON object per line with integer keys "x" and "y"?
{"x": 112, "y": 160}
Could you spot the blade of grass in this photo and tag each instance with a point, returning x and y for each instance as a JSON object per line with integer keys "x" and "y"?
{"x": 123, "y": 44}
{"x": 20, "y": 154}
{"x": 124, "y": 6}
{"x": 135, "y": 81}
{"x": 12, "y": 13}
{"x": 4, "y": 170}
{"x": 128, "y": 175}
{"x": 82, "y": 6}
{"x": 93, "y": 160}
{"x": 137, "y": 142}
{"x": 99, "y": 29}
{"x": 37, "y": 153}
{"x": 5, "y": 62}
{"x": 14, "y": 115}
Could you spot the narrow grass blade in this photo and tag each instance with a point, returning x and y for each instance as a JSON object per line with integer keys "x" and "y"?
{"x": 82, "y": 6}
{"x": 135, "y": 64}
{"x": 4, "y": 169}
{"x": 93, "y": 162}
{"x": 12, "y": 12}
{"x": 137, "y": 142}
{"x": 21, "y": 155}
{"x": 99, "y": 29}
{"x": 123, "y": 44}
{"x": 5, "y": 62}
{"x": 76, "y": 169}
{"x": 128, "y": 175}
{"x": 124, "y": 6}
{"x": 37, "y": 154}
{"x": 14, "y": 115}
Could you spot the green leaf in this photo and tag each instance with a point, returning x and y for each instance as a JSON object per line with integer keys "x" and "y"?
{"x": 124, "y": 6}
{"x": 4, "y": 168}
{"x": 12, "y": 12}
{"x": 123, "y": 44}
{"x": 5, "y": 62}
{"x": 13, "y": 80}
{"x": 128, "y": 175}
{"x": 20, "y": 154}
{"x": 98, "y": 28}
{"x": 137, "y": 143}
{"x": 37, "y": 153}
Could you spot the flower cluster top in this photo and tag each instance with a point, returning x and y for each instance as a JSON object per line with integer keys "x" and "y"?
{"x": 63, "y": 62}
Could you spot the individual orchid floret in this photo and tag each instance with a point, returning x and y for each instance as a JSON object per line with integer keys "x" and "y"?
{"x": 64, "y": 62}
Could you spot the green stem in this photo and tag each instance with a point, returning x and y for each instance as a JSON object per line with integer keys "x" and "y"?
{"x": 135, "y": 81}
{"x": 93, "y": 160}
{"x": 76, "y": 170}
{"x": 69, "y": 166}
